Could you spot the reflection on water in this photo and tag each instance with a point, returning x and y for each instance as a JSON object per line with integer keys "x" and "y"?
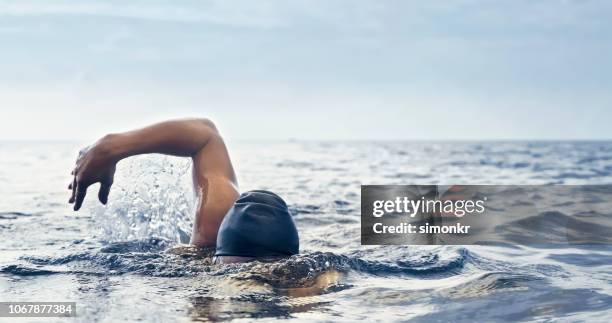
{"x": 260, "y": 303}
{"x": 124, "y": 262}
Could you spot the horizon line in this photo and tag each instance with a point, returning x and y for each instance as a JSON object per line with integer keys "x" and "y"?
{"x": 356, "y": 140}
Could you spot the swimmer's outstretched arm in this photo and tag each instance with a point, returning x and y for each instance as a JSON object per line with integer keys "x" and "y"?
{"x": 195, "y": 138}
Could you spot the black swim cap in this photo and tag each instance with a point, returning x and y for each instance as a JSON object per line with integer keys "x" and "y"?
{"x": 258, "y": 225}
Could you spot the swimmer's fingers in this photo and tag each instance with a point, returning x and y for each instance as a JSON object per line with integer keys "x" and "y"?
{"x": 81, "y": 191}
{"x": 72, "y": 187}
{"x": 103, "y": 193}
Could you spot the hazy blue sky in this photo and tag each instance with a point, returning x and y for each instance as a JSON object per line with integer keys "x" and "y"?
{"x": 309, "y": 69}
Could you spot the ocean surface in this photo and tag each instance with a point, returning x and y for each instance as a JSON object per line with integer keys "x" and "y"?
{"x": 113, "y": 261}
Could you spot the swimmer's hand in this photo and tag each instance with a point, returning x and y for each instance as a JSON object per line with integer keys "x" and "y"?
{"x": 95, "y": 164}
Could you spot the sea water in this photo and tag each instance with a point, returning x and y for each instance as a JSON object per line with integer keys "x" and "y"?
{"x": 112, "y": 260}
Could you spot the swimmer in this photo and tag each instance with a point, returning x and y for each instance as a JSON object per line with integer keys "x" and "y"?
{"x": 241, "y": 227}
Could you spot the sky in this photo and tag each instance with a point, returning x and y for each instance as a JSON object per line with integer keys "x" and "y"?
{"x": 339, "y": 70}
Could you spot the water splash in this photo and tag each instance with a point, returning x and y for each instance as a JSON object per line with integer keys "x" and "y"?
{"x": 152, "y": 196}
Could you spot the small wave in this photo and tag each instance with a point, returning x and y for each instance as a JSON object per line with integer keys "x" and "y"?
{"x": 552, "y": 227}
{"x": 503, "y": 164}
{"x": 15, "y": 215}
{"x": 141, "y": 257}
{"x": 488, "y": 283}
{"x": 574, "y": 175}
{"x": 147, "y": 245}
{"x": 295, "y": 164}
{"x": 420, "y": 264}
{"x": 593, "y": 159}
{"x": 296, "y": 209}
{"x": 300, "y": 270}
{"x": 147, "y": 258}
{"x": 589, "y": 259}
{"x": 21, "y": 270}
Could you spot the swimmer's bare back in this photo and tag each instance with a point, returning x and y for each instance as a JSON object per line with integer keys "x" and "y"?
{"x": 213, "y": 175}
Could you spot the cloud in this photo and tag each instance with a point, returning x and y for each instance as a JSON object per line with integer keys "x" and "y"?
{"x": 312, "y": 61}
{"x": 239, "y": 14}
